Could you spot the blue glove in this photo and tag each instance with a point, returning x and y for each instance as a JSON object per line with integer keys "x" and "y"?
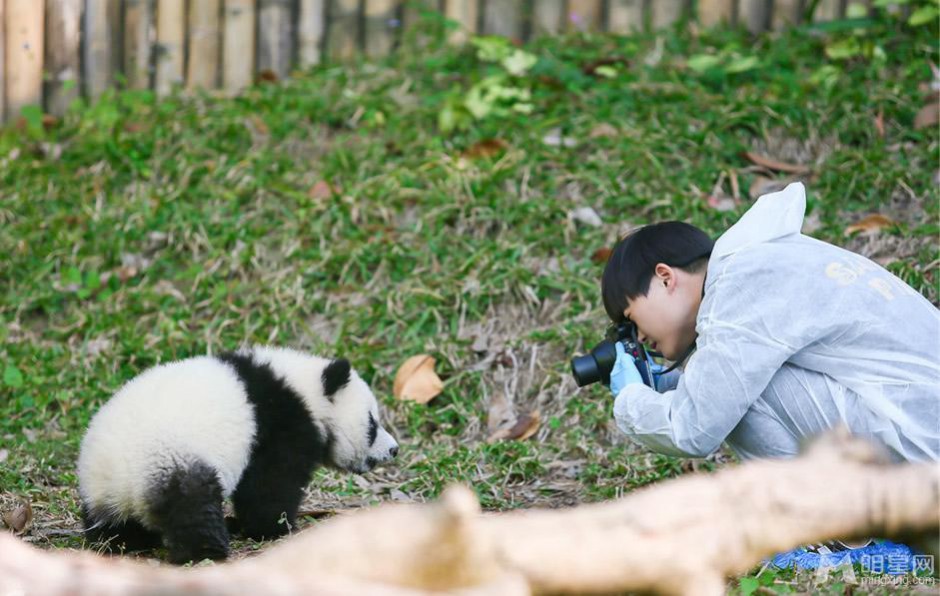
{"x": 624, "y": 372}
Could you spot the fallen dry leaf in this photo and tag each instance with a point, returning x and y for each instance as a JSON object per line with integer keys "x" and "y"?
{"x": 417, "y": 381}
{"x": 773, "y": 164}
{"x": 321, "y": 190}
{"x": 19, "y": 519}
{"x": 928, "y": 116}
{"x": 126, "y": 273}
{"x": 257, "y": 126}
{"x": 763, "y": 185}
{"x": 480, "y": 344}
{"x": 526, "y": 425}
{"x": 604, "y": 130}
{"x": 49, "y": 121}
{"x": 500, "y": 416}
{"x": 601, "y": 255}
{"x": 721, "y": 203}
{"x": 554, "y": 138}
{"x": 51, "y": 151}
{"x": 590, "y": 68}
{"x": 870, "y": 224}
{"x": 485, "y": 148}
{"x": 735, "y": 186}
{"x": 587, "y": 216}
{"x": 880, "y": 124}
{"x": 400, "y": 496}
{"x": 811, "y": 224}
{"x": 267, "y": 76}
{"x": 133, "y": 127}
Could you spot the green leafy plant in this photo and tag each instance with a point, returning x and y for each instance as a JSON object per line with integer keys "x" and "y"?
{"x": 498, "y": 93}
{"x": 727, "y": 61}
{"x": 861, "y": 37}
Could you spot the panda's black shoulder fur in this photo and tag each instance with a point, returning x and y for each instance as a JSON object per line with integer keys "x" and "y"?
{"x": 287, "y": 445}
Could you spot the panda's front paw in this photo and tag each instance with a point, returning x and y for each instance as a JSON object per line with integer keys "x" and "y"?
{"x": 181, "y": 554}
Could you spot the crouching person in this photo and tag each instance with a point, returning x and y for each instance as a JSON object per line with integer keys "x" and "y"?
{"x": 782, "y": 337}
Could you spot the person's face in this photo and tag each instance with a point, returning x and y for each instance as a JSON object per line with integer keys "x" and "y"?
{"x": 665, "y": 317}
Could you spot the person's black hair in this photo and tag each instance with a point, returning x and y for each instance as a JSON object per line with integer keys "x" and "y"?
{"x": 633, "y": 261}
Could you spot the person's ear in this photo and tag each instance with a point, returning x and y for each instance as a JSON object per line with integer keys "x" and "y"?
{"x": 665, "y": 275}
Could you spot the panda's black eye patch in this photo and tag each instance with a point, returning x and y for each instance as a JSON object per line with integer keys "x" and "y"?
{"x": 373, "y": 429}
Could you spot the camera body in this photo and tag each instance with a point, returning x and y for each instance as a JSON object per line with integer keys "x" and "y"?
{"x": 596, "y": 365}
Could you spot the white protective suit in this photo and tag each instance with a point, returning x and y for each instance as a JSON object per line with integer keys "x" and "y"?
{"x": 796, "y": 336}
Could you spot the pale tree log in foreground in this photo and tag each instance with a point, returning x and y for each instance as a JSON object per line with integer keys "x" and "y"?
{"x": 682, "y": 536}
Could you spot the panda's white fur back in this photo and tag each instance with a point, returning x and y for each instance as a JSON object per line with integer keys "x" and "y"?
{"x": 176, "y": 411}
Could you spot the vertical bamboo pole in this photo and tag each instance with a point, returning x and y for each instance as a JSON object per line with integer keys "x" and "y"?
{"x": 411, "y": 11}
{"x": 867, "y": 4}
{"x": 138, "y": 36}
{"x": 380, "y": 26}
{"x": 713, "y": 12}
{"x": 3, "y": 61}
{"x": 311, "y": 28}
{"x": 665, "y": 13}
{"x": 584, "y": 15}
{"x": 101, "y": 49}
{"x": 786, "y": 13}
{"x": 202, "y": 69}
{"x": 171, "y": 27}
{"x": 238, "y": 45}
{"x": 24, "y": 54}
{"x": 755, "y": 14}
{"x": 502, "y": 17}
{"x": 625, "y": 16}
{"x": 827, "y": 10}
{"x": 465, "y": 12}
{"x": 275, "y": 36}
{"x": 62, "y": 61}
{"x": 548, "y": 16}
{"x": 343, "y": 29}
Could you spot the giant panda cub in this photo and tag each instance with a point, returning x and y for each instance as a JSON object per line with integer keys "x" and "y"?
{"x": 161, "y": 455}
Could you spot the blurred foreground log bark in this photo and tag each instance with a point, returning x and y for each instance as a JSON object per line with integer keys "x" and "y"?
{"x": 684, "y": 536}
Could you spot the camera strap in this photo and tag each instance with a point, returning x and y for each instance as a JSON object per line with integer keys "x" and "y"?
{"x": 678, "y": 362}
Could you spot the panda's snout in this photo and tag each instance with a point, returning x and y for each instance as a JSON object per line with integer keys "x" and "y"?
{"x": 383, "y": 449}
{"x": 385, "y": 455}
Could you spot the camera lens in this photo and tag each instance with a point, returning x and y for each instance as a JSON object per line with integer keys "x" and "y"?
{"x": 596, "y": 365}
{"x": 585, "y": 371}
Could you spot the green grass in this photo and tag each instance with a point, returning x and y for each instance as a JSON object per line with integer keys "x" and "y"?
{"x": 139, "y": 230}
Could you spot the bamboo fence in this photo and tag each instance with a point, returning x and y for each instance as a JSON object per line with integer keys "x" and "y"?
{"x": 52, "y": 51}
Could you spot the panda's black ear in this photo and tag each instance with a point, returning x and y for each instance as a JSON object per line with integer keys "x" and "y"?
{"x": 335, "y": 377}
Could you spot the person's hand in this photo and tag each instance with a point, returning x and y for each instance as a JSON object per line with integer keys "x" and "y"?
{"x": 624, "y": 372}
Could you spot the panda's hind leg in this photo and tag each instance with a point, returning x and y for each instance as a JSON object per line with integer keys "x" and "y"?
{"x": 118, "y": 535}
{"x": 186, "y": 506}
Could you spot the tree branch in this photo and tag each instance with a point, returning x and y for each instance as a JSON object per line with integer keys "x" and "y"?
{"x": 684, "y": 536}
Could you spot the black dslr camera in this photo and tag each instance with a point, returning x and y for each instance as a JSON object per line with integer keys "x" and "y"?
{"x": 596, "y": 365}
